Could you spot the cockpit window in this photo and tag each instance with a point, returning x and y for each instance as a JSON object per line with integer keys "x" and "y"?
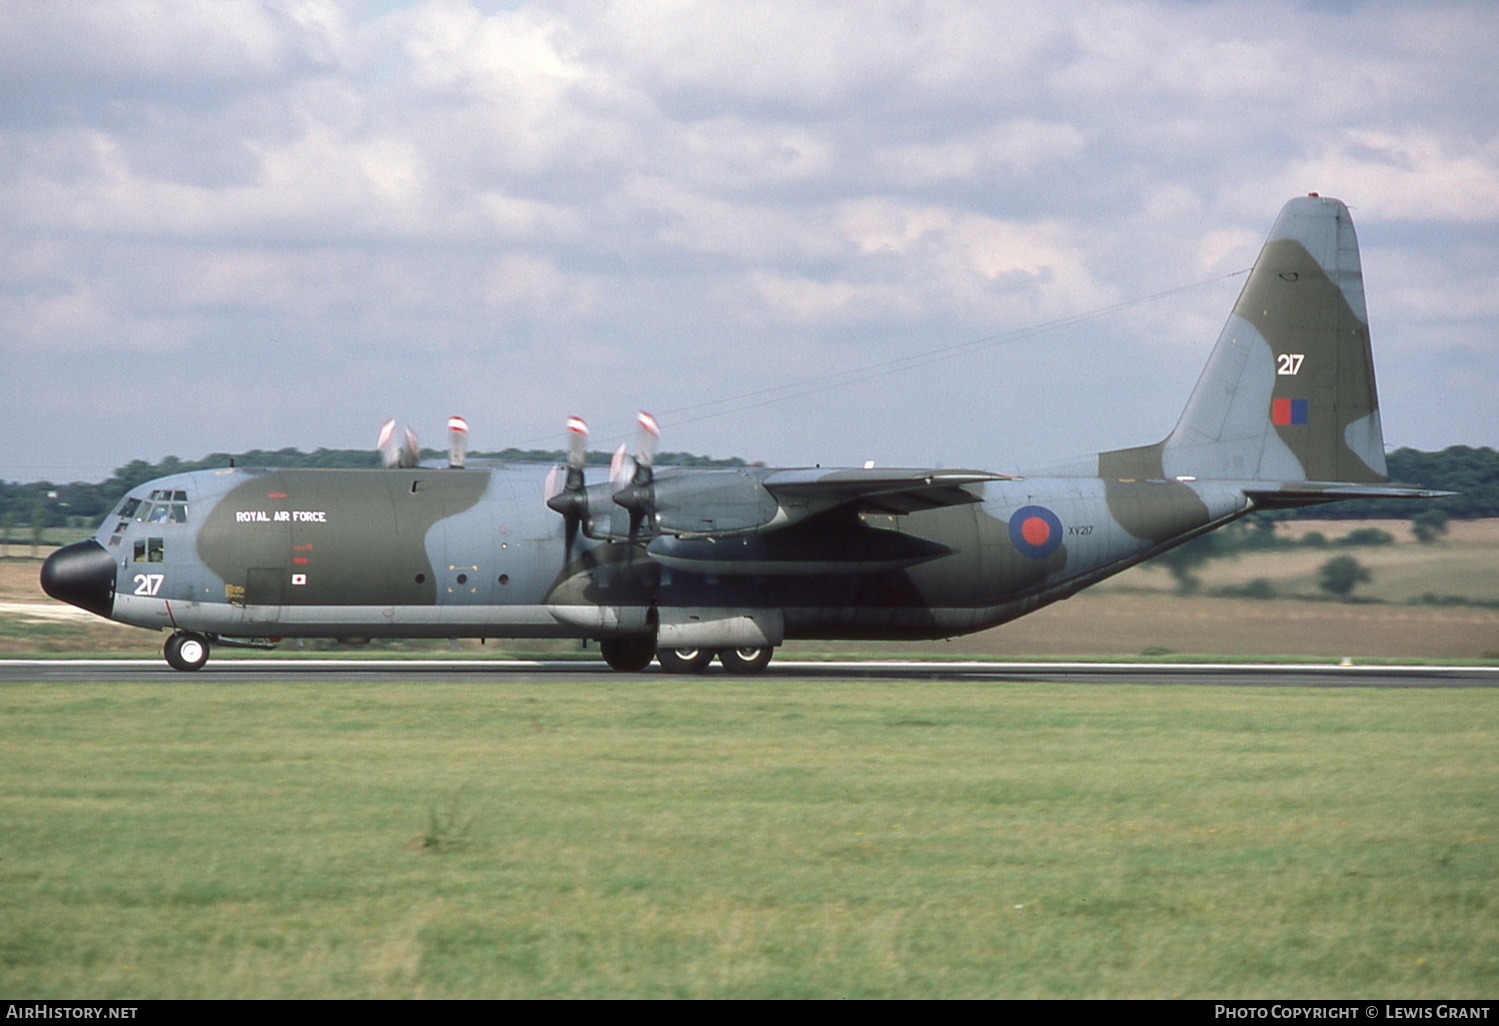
{"x": 149, "y": 550}
{"x": 160, "y": 512}
{"x": 128, "y": 508}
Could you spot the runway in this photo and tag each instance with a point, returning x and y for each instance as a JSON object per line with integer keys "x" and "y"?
{"x": 502, "y": 671}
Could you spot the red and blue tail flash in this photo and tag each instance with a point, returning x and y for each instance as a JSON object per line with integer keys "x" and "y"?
{"x": 1287, "y": 411}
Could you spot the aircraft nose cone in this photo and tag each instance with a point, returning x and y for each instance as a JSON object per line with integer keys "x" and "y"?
{"x": 82, "y": 574}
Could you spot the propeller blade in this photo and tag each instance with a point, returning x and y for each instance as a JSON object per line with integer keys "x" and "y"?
{"x": 571, "y": 499}
{"x": 457, "y": 442}
{"x": 411, "y": 451}
{"x": 570, "y": 535}
{"x": 386, "y": 445}
{"x": 621, "y": 468}
{"x": 634, "y": 480}
{"x": 647, "y": 439}
{"x": 577, "y": 442}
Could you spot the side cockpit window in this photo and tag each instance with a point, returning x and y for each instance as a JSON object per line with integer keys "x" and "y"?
{"x": 149, "y": 550}
{"x": 127, "y": 510}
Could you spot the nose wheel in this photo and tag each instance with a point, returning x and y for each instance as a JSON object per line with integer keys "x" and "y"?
{"x": 186, "y": 651}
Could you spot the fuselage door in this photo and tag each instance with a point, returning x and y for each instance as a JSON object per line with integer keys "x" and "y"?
{"x": 265, "y": 588}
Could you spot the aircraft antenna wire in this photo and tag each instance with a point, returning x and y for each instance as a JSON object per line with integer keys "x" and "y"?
{"x": 868, "y": 372}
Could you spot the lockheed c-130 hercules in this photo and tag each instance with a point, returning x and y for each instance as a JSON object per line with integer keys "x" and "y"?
{"x": 684, "y": 565}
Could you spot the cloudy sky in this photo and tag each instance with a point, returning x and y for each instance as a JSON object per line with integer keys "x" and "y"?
{"x": 913, "y": 232}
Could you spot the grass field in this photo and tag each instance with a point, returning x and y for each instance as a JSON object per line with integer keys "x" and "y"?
{"x": 663, "y": 838}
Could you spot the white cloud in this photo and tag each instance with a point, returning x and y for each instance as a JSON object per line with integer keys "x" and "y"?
{"x": 73, "y": 315}
{"x": 461, "y": 54}
{"x": 1016, "y": 148}
{"x": 1414, "y": 174}
{"x": 534, "y": 283}
{"x": 86, "y": 57}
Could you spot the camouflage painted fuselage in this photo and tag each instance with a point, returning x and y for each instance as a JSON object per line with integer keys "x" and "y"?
{"x": 476, "y": 553}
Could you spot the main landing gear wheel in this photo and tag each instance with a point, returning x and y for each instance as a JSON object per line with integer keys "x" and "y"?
{"x": 186, "y": 652}
{"x": 684, "y": 660}
{"x": 745, "y": 660}
{"x": 627, "y": 655}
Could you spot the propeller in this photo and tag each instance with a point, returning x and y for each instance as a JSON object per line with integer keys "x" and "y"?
{"x": 572, "y": 500}
{"x": 457, "y": 442}
{"x": 633, "y": 477}
{"x": 397, "y": 454}
{"x": 626, "y": 469}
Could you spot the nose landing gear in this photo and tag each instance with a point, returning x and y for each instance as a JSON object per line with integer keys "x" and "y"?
{"x": 186, "y": 651}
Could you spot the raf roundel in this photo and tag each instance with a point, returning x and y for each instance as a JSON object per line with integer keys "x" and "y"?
{"x": 1035, "y": 531}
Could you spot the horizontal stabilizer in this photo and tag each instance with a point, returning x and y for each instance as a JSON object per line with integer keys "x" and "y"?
{"x": 880, "y": 489}
{"x": 1301, "y": 493}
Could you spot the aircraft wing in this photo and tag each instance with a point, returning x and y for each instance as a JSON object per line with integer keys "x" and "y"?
{"x": 881, "y": 489}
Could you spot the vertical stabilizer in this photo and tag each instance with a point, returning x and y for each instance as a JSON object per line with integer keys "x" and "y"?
{"x": 1288, "y": 393}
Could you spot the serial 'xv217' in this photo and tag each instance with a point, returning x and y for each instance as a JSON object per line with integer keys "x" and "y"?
{"x": 685, "y": 565}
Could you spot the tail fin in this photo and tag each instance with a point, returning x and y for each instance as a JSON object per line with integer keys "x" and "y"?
{"x": 1288, "y": 394}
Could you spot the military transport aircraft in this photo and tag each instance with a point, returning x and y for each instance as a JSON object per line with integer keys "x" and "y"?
{"x": 684, "y": 565}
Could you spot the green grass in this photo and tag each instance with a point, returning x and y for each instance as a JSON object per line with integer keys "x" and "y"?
{"x": 717, "y": 838}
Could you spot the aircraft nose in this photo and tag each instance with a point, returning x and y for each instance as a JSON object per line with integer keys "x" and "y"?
{"x": 82, "y": 574}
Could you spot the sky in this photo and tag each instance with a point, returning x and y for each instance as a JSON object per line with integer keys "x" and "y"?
{"x": 939, "y": 233}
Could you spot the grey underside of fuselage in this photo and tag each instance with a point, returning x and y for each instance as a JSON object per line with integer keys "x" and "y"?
{"x": 497, "y": 566}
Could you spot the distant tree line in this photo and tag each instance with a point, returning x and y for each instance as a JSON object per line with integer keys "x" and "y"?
{"x": 79, "y": 504}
